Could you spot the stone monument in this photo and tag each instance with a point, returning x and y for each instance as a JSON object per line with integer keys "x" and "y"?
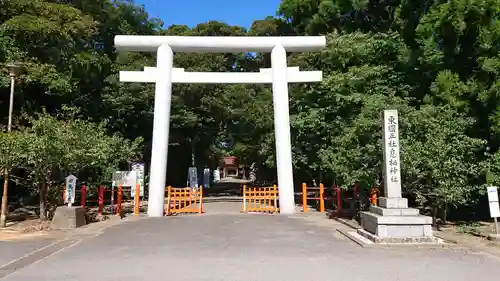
{"x": 392, "y": 221}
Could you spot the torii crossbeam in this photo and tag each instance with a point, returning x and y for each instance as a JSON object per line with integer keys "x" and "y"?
{"x": 164, "y": 75}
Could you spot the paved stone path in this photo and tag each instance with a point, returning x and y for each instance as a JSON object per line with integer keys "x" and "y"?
{"x": 247, "y": 247}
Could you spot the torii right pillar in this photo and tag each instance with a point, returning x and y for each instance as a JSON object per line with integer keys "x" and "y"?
{"x": 392, "y": 222}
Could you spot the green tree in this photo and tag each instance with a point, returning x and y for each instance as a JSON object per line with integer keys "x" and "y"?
{"x": 441, "y": 164}
{"x": 54, "y": 147}
{"x": 10, "y": 156}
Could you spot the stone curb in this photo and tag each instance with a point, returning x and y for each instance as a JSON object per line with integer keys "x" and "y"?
{"x": 361, "y": 243}
{"x": 347, "y": 223}
{"x": 449, "y": 242}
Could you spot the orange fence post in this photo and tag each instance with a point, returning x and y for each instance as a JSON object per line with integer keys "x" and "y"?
{"x": 244, "y": 198}
{"x": 275, "y": 193}
{"x": 201, "y": 200}
{"x": 373, "y": 197}
{"x": 137, "y": 201}
{"x": 177, "y": 195}
{"x": 256, "y": 203}
{"x": 304, "y": 198}
{"x": 83, "y": 198}
{"x": 169, "y": 199}
{"x": 321, "y": 198}
{"x": 119, "y": 200}
{"x": 185, "y": 194}
{"x": 266, "y": 195}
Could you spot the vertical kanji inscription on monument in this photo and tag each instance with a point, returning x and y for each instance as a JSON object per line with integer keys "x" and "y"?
{"x": 392, "y": 171}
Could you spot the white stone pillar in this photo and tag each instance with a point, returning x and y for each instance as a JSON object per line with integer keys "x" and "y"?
{"x": 282, "y": 130}
{"x": 392, "y": 166}
{"x": 161, "y": 126}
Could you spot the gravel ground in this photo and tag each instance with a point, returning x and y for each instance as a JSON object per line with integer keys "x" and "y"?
{"x": 247, "y": 247}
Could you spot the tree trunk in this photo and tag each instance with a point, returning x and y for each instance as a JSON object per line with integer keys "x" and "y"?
{"x": 434, "y": 215}
{"x": 43, "y": 200}
{"x": 193, "y": 153}
{"x": 444, "y": 213}
{"x": 5, "y": 203}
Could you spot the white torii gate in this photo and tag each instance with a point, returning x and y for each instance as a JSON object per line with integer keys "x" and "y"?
{"x": 164, "y": 75}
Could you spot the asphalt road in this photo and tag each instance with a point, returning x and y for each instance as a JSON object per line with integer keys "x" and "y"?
{"x": 10, "y": 251}
{"x": 246, "y": 247}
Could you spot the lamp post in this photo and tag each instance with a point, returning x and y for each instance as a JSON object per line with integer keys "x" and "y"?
{"x": 14, "y": 72}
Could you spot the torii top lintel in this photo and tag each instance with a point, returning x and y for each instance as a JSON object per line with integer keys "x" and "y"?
{"x": 219, "y": 44}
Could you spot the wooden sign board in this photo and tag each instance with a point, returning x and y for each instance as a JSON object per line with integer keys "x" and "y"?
{"x": 493, "y": 201}
{"x": 138, "y": 168}
{"x": 125, "y": 178}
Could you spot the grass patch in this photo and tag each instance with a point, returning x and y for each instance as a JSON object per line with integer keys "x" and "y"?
{"x": 471, "y": 228}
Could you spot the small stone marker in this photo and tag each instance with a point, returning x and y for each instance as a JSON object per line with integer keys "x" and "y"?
{"x": 70, "y": 189}
{"x": 193, "y": 177}
{"x": 206, "y": 178}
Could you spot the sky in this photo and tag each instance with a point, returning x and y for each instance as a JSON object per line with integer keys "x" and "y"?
{"x": 192, "y": 12}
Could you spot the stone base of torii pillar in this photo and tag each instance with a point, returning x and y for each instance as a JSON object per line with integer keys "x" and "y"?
{"x": 392, "y": 222}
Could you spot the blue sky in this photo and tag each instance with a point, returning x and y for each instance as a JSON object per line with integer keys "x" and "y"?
{"x": 192, "y": 12}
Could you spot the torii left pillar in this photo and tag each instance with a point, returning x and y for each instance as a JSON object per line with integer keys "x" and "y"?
{"x": 161, "y": 127}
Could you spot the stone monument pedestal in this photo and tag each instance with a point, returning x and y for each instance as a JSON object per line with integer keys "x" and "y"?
{"x": 392, "y": 222}
{"x": 68, "y": 217}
